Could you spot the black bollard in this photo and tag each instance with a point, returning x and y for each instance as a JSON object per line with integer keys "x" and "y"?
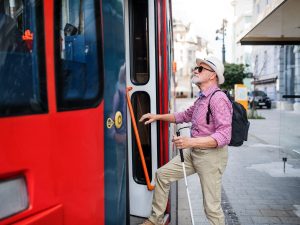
{"x": 284, "y": 159}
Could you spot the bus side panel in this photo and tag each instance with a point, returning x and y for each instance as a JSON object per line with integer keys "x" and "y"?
{"x": 47, "y": 217}
{"x": 61, "y": 156}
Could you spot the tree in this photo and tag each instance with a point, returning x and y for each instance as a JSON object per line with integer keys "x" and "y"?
{"x": 234, "y": 74}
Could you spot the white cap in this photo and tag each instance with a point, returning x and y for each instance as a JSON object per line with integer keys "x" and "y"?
{"x": 216, "y": 65}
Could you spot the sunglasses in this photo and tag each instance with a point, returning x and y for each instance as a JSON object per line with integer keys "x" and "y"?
{"x": 200, "y": 68}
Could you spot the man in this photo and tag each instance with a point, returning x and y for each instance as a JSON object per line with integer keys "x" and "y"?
{"x": 205, "y": 151}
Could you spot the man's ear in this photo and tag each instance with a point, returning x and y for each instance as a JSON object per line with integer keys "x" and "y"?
{"x": 214, "y": 76}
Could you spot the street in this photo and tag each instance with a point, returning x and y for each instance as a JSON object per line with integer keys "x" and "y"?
{"x": 255, "y": 188}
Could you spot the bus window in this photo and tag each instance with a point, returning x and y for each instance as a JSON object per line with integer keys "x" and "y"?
{"x": 141, "y": 105}
{"x": 22, "y": 58}
{"x": 79, "y": 76}
{"x": 140, "y": 42}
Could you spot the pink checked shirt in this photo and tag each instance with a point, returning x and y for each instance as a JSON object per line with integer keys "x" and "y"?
{"x": 219, "y": 126}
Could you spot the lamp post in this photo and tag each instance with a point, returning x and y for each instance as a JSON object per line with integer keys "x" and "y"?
{"x": 222, "y": 32}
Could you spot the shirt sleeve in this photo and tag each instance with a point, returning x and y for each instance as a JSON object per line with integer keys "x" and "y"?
{"x": 221, "y": 109}
{"x": 185, "y": 116}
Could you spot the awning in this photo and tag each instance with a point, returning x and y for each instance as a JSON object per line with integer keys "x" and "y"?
{"x": 278, "y": 25}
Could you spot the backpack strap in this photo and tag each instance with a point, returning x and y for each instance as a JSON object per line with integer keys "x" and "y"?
{"x": 208, "y": 108}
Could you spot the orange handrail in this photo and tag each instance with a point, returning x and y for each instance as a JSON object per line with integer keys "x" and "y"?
{"x": 138, "y": 140}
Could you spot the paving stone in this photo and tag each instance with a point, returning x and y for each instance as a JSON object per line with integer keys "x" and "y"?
{"x": 268, "y": 220}
{"x": 272, "y": 212}
{"x": 250, "y": 212}
{"x": 245, "y": 220}
{"x": 290, "y": 220}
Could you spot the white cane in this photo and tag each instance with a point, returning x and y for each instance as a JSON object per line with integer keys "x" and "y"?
{"x": 186, "y": 184}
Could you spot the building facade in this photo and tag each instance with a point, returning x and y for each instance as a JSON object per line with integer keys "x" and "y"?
{"x": 275, "y": 67}
{"x": 265, "y": 67}
{"x": 242, "y": 21}
{"x": 187, "y": 47}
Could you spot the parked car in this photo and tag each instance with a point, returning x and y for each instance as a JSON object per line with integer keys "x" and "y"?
{"x": 260, "y": 99}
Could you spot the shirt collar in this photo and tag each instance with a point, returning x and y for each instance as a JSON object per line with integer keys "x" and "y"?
{"x": 200, "y": 94}
{"x": 210, "y": 90}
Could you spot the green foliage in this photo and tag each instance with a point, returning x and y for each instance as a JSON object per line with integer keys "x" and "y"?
{"x": 234, "y": 74}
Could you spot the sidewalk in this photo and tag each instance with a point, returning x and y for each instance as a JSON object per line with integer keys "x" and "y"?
{"x": 256, "y": 190}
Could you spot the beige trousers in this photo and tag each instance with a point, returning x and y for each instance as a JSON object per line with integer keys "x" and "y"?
{"x": 209, "y": 164}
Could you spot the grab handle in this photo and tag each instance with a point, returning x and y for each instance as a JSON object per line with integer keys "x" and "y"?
{"x": 138, "y": 140}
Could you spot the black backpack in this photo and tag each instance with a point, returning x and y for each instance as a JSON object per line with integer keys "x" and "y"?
{"x": 240, "y": 123}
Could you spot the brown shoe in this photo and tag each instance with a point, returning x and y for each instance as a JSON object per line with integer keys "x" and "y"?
{"x": 147, "y": 222}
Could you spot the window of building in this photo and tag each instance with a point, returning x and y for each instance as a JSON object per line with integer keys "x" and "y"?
{"x": 257, "y": 9}
{"x": 256, "y": 65}
{"x": 22, "y": 58}
{"x": 265, "y": 63}
{"x": 276, "y": 59}
{"x": 181, "y": 55}
{"x": 78, "y": 54}
{"x": 190, "y": 55}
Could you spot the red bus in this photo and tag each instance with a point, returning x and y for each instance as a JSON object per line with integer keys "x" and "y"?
{"x": 68, "y": 153}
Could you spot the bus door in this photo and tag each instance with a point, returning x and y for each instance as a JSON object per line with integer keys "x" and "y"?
{"x": 141, "y": 75}
{"x": 116, "y": 207}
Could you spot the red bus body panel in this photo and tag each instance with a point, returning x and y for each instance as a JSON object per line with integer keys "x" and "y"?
{"x": 61, "y": 155}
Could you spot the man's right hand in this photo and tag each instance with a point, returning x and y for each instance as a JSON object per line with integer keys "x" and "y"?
{"x": 149, "y": 118}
